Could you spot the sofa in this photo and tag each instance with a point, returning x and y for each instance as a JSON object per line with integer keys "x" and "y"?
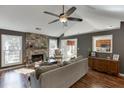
{"x": 61, "y": 77}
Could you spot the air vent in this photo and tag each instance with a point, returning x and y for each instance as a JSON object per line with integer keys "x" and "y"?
{"x": 38, "y": 28}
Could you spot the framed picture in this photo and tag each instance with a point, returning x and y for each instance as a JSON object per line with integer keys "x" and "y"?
{"x": 116, "y": 57}
{"x": 102, "y": 44}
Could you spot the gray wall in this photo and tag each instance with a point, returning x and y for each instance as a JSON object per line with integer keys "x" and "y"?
{"x": 85, "y": 42}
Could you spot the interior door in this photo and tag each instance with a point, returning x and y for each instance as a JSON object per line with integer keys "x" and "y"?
{"x": 11, "y": 50}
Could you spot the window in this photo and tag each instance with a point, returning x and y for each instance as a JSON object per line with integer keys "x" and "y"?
{"x": 11, "y": 50}
{"x": 52, "y": 47}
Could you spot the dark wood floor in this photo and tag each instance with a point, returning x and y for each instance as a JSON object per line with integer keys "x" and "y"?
{"x": 96, "y": 79}
{"x": 93, "y": 79}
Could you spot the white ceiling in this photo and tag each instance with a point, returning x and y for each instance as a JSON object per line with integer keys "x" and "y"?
{"x": 27, "y": 18}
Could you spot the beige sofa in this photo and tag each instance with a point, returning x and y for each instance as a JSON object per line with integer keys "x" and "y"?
{"x": 62, "y": 77}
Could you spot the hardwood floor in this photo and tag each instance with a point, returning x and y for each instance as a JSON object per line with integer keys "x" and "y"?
{"x": 93, "y": 79}
{"x": 96, "y": 79}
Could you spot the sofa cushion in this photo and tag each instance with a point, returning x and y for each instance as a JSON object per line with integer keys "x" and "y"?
{"x": 47, "y": 63}
{"x": 45, "y": 68}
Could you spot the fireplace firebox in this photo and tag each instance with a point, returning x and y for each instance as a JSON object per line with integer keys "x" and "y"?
{"x": 38, "y": 57}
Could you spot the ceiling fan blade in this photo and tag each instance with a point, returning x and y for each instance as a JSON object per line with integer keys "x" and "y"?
{"x": 70, "y": 11}
{"x": 53, "y": 21}
{"x": 74, "y": 19}
{"x": 51, "y": 13}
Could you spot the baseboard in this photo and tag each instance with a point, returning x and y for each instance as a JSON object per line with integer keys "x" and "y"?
{"x": 11, "y": 68}
{"x": 121, "y": 74}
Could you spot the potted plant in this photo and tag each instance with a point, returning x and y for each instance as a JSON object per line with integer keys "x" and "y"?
{"x": 89, "y": 51}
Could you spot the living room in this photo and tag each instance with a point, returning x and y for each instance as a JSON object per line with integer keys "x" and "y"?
{"x": 61, "y": 46}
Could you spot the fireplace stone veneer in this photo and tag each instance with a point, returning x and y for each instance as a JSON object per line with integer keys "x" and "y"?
{"x": 36, "y": 44}
{"x": 31, "y": 52}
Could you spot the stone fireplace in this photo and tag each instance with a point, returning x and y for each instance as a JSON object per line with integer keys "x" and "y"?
{"x": 36, "y": 47}
{"x": 42, "y": 54}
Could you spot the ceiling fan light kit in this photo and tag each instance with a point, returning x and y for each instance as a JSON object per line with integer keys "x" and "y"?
{"x": 63, "y": 19}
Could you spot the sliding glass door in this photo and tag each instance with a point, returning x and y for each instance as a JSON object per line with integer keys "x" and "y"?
{"x": 11, "y": 50}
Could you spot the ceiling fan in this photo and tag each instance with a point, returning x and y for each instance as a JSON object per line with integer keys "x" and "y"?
{"x": 64, "y": 16}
